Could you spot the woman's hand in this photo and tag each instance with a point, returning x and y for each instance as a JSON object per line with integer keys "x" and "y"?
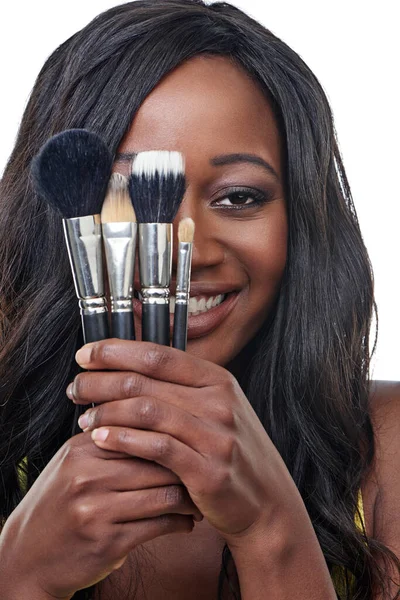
{"x": 191, "y": 417}
{"x": 87, "y": 510}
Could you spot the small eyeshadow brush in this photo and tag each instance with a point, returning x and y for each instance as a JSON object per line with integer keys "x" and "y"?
{"x": 185, "y": 247}
{"x": 119, "y": 228}
{"x": 156, "y": 187}
{"x": 71, "y": 172}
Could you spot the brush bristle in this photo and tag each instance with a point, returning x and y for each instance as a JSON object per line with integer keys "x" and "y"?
{"x": 186, "y": 230}
{"x": 157, "y": 185}
{"x": 71, "y": 172}
{"x": 117, "y": 206}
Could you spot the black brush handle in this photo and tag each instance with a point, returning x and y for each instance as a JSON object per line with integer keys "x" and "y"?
{"x": 155, "y": 323}
{"x": 95, "y": 327}
{"x": 179, "y": 338}
{"x": 122, "y": 325}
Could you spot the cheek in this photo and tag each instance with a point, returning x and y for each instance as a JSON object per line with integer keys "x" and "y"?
{"x": 262, "y": 252}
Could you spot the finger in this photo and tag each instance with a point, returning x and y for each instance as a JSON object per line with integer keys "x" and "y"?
{"x": 81, "y": 447}
{"x": 135, "y": 533}
{"x": 147, "y": 413}
{"x": 145, "y": 475}
{"x": 119, "y": 471}
{"x": 153, "y": 360}
{"x": 109, "y": 386}
{"x": 130, "y": 474}
{"x": 148, "y": 503}
{"x": 158, "y": 447}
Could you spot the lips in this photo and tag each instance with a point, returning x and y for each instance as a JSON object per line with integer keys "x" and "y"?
{"x": 201, "y": 322}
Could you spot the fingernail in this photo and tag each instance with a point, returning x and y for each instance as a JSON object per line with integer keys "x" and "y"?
{"x": 100, "y": 435}
{"x": 198, "y": 517}
{"x": 83, "y": 355}
{"x": 70, "y": 393}
{"x": 83, "y": 421}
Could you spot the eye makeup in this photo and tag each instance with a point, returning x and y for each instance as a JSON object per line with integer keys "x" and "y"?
{"x": 237, "y": 198}
{"x": 241, "y": 158}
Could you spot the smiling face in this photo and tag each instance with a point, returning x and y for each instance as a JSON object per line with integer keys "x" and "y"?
{"x": 218, "y": 118}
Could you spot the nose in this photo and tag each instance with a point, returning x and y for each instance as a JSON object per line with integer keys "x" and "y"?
{"x": 208, "y": 250}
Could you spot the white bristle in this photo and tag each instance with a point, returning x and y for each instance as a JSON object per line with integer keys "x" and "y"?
{"x": 162, "y": 162}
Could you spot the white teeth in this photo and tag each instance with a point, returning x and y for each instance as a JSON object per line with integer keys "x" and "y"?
{"x": 192, "y": 305}
{"x": 197, "y": 305}
{"x": 201, "y": 304}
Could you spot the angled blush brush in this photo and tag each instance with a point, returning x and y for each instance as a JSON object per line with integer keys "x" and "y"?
{"x": 156, "y": 187}
{"x": 71, "y": 172}
{"x": 118, "y": 222}
{"x": 185, "y": 246}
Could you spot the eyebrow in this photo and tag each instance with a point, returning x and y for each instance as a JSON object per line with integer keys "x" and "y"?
{"x": 230, "y": 159}
{"x": 125, "y": 156}
{"x": 218, "y": 161}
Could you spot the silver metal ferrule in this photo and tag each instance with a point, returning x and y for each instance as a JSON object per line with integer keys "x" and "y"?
{"x": 183, "y": 273}
{"x": 155, "y": 262}
{"x": 153, "y": 295}
{"x": 83, "y": 237}
{"x": 120, "y": 248}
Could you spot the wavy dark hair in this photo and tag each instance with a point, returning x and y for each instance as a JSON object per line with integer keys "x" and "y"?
{"x": 308, "y": 377}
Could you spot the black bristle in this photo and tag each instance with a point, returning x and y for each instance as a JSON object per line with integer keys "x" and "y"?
{"x": 71, "y": 172}
{"x": 157, "y": 186}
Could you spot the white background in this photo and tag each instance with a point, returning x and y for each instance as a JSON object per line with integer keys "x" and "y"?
{"x": 351, "y": 45}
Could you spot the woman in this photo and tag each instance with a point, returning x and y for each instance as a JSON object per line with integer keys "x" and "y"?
{"x": 266, "y": 441}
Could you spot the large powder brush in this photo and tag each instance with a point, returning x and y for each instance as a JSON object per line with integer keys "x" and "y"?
{"x": 71, "y": 172}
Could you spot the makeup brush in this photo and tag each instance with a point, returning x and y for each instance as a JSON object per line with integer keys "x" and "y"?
{"x": 185, "y": 247}
{"x": 71, "y": 173}
{"x": 118, "y": 222}
{"x": 156, "y": 187}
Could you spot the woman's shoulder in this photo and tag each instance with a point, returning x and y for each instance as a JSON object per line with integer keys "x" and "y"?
{"x": 384, "y": 405}
{"x": 384, "y": 392}
{"x": 381, "y": 486}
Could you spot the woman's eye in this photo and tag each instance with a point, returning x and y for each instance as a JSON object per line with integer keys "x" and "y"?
{"x": 236, "y": 199}
{"x": 239, "y": 199}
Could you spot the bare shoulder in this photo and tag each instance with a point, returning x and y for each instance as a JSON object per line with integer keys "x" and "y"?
{"x": 385, "y": 416}
{"x": 381, "y": 488}
{"x": 383, "y": 394}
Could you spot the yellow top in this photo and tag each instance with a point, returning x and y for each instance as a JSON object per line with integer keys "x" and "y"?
{"x": 22, "y": 475}
{"x": 338, "y": 573}
{"x": 359, "y": 518}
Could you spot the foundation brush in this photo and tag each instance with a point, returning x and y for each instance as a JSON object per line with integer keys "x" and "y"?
{"x": 71, "y": 172}
{"x": 119, "y": 228}
{"x": 185, "y": 246}
{"x": 157, "y": 187}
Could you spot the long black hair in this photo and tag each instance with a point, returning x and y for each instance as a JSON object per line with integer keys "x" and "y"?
{"x": 309, "y": 373}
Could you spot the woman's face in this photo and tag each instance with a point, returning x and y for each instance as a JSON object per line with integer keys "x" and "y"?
{"x": 214, "y": 114}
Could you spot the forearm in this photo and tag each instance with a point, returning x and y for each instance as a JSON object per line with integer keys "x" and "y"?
{"x": 15, "y": 589}
{"x": 283, "y": 562}
{"x": 15, "y": 583}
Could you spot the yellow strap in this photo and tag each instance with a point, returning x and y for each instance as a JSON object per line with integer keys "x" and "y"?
{"x": 359, "y": 517}
{"x": 22, "y": 472}
{"x": 338, "y": 573}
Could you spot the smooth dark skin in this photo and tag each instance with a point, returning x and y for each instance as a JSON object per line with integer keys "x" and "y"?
{"x": 208, "y": 457}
